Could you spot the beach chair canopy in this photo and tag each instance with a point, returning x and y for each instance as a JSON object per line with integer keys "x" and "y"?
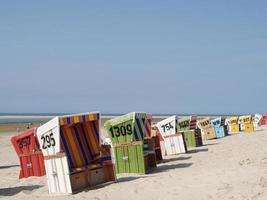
{"x": 128, "y": 128}
{"x": 245, "y": 119}
{"x": 217, "y": 122}
{"x": 257, "y": 118}
{"x": 183, "y": 124}
{"x": 75, "y": 135}
{"x": 168, "y": 126}
{"x": 231, "y": 120}
{"x": 204, "y": 123}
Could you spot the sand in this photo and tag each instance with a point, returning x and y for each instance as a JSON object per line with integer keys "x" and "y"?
{"x": 234, "y": 167}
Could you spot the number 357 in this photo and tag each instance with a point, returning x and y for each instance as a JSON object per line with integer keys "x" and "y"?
{"x": 48, "y": 141}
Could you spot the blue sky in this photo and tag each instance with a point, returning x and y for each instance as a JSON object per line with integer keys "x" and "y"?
{"x": 121, "y": 56}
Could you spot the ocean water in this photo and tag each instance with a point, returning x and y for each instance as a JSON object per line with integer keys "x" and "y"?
{"x": 43, "y": 117}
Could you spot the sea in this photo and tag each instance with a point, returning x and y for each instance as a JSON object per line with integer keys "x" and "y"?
{"x": 43, "y": 117}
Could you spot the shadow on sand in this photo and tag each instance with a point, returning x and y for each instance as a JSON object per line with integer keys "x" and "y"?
{"x": 197, "y": 150}
{"x": 211, "y": 144}
{"x": 8, "y": 166}
{"x": 15, "y": 190}
{"x": 166, "y": 160}
{"x": 164, "y": 168}
{"x": 119, "y": 180}
{"x": 127, "y": 179}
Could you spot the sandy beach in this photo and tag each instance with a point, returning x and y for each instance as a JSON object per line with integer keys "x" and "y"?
{"x": 234, "y": 167}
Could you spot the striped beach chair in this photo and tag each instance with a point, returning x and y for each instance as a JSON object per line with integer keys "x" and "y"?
{"x": 72, "y": 153}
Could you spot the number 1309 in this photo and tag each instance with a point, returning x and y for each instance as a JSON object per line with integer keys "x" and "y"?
{"x": 122, "y": 130}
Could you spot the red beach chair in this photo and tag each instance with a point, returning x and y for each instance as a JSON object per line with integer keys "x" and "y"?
{"x": 30, "y": 156}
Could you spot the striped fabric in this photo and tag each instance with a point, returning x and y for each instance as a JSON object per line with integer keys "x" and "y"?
{"x": 193, "y": 122}
{"x": 69, "y": 120}
{"x": 139, "y": 129}
{"x": 80, "y": 142}
{"x": 148, "y": 126}
{"x": 223, "y": 121}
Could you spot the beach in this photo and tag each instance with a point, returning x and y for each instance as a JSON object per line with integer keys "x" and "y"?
{"x": 234, "y": 167}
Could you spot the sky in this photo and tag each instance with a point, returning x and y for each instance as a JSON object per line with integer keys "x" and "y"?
{"x": 186, "y": 57}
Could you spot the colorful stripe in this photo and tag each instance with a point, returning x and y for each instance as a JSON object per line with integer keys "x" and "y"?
{"x": 64, "y": 146}
{"x": 139, "y": 128}
{"x": 148, "y": 127}
{"x": 69, "y": 120}
{"x": 80, "y": 142}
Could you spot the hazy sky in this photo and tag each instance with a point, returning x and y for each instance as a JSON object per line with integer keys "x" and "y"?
{"x": 121, "y": 56}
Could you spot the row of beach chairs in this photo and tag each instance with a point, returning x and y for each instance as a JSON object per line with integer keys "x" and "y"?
{"x": 69, "y": 151}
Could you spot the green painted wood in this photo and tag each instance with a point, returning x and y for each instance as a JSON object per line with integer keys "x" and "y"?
{"x": 140, "y": 158}
{"x": 183, "y": 124}
{"x": 130, "y": 159}
{"x": 190, "y": 139}
{"x": 126, "y": 162}
{"x": 133, "y": 160}
{"x": 119, "y": 160}
{"x": 126, "y": 129}
{"x": 121, "y": 129}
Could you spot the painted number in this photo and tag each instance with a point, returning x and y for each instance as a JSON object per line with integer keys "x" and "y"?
{"x": 122, "y": 130}
{"x": 48, "y": 141}
{"x": 167, "y": 127}
{"x": 24, "y": 142}
{"x": 216, "y": 122}
{"x": 184, "y": 124}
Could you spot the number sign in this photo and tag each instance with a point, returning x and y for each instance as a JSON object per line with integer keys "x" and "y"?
{"x": 48, "y": 141}
{"x": 121, "y": 130}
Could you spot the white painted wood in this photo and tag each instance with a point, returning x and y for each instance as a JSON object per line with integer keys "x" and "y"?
{"x": 257, "y": 119}
{"x": 58, "y": 176}
{"x": 173, "y": 144}
{"x": 167, "y": 126}
{"x": 49, "y": 132}
{"x": 216, "y": 122}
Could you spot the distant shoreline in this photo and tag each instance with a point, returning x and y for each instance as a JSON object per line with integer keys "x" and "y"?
{"x": 27, "y": 118}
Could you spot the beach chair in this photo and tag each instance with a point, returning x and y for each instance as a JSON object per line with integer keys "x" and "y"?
{"x": 246, "y": 123}
{"x": 232, "y": 125}
{"x": 30, "y": 156}
{"x": 157, "y": 141}
{"x": 174, "y": 141}
{"x": 257, "y": 121}
{"x": 132, "y": 147}
{"x": 206, "y": 129}
{"x": 218, "y": 125}
{"x": 263, "y": 121}
{"x": 191, "y": 136}
{"x": 72, "y": 153}
{"x": 193, "y": 126}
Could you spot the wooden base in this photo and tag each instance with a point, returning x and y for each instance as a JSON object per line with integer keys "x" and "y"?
{"x": 92, "y": 177}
